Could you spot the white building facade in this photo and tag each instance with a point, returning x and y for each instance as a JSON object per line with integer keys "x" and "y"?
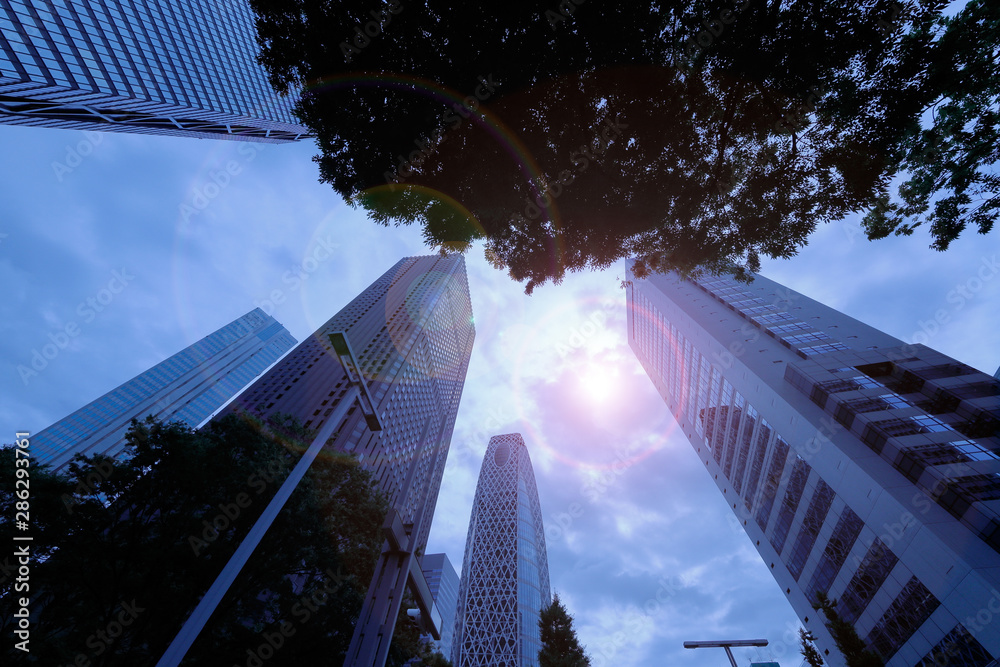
{"x": 859, "y": 466}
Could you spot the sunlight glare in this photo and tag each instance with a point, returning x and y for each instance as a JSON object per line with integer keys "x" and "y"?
{"x": 598, "y": 382}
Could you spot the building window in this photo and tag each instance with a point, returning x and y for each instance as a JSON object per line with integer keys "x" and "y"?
{"x": 958, "y": 648}
{"x": 860, "y": 406}
{"x": 821, "y": 349}
{"x": 868, "y": 578}
{"x": 772, "y": 481}
{"x": 819, "y": 507}
{"x": 812, "y": 337}
{"x": 790, "y": 503}
{"x": 845, "y": 533}
{"x": 905, "y": 615}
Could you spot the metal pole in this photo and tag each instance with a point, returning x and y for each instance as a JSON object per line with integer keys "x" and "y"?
{"x": 185, "y": 638}
{"x": 397, "y": 568}
{"x": 732, "y": 660}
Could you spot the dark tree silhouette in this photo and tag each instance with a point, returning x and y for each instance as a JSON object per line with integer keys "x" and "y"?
{"x": 560, "y": 647}
{"x": 850, "y": 645}
{"x": 123, "y": 551}
{"x": 690, "y": 135}
{"x": 809, "y": 651}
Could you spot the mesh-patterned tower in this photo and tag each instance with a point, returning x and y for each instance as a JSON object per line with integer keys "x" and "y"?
{"x": 412, "y": 332}
{"x": 189, "y": 386}
{"x": 175, "y": 67}
{"x": 861, "y": 467}
{"x": 505, "y": 574}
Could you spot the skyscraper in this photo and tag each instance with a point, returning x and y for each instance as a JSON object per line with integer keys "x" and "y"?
{"x": 860, "y": 466}
{"x": 443, "y": 582}
{"x": 505, "y": 574}
{"x": 189, "y": 386}
{"x": 412, "y": 331}
{"x": 150, "y": 66}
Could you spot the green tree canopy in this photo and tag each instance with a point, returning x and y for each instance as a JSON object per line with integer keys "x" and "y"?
{"x": 560, "y": 647}
{"x": 691, "y": 135}
{"x": 123, "y": 550}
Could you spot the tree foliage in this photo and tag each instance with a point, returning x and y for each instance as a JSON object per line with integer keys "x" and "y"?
{"x": 123, "y": 550}
{"x": 809, "y": 651}
{"x": 560, "y": 646}
{"x": 850, "y": 645}
{"x": 691, "y": 135}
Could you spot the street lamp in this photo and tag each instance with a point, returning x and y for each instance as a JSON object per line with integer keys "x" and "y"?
{"x": 357, "y": 390}
{"x": 726, "y": 644}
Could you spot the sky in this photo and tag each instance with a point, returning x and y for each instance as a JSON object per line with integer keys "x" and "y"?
{"x": 142, "y": 245}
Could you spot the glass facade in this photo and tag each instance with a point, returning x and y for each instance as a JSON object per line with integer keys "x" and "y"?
{"x": 412, "y": 333}
{"x": 505, "y": 574}
{"x": 187, "y": 387}
{"x": 443, "y": 582}
{"x": 849, "y": 450}
{"x": 172, "y": 67}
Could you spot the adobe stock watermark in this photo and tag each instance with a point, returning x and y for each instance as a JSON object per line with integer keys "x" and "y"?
{"x": 580, "y": 159}
{"x": 635, "y": 621}
{"x": 809, "y": 449}
{"x": 229, "y": 513}
{"x": 302, "y": 611}
{"x": 713, "y": 30}
{"x": 454, "y": 117}
{"x": 88, "y": 485}
{"x": 363, "y": 35}
{"x": 88, "y": 309}
{"x": 579, "y": 336}
{"x": 962, "y": 294}
{"x": 218, "y": 180}
{"x": 487, "y": 428}
{"x": 566, "y": 9}
{"x": 75, "y": 154}
{"x": 559, "y": 524}
{"x": 104, "y": 638}
{"x": 736, "y": 349}
{"x": 298, "y": 273}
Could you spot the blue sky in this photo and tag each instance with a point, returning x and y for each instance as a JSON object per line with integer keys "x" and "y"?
{"x": 142, "y": 245}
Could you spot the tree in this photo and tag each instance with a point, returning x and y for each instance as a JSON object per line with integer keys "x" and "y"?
{"x": 851, "y": 646}
{"x": 691, "y": 135}
{"x": 123, "y": 550}
{"x": 809, "y": 651}
{"x": 560, "y": 647}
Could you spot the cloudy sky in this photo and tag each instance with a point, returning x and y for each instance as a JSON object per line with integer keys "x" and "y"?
{"x": 194, "y": 233}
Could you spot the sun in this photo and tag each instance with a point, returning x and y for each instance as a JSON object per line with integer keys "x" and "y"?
{"x": 598, "y": 382}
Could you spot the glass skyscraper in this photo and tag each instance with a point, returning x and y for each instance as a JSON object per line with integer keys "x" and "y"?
{"x": 412, "y": 332}
{"x": 505, "y": 573}
{"x": 860, "y": 467}
{"x": 188, "y": 387}
{"x": 174, "y": 67}
{"x": 443, "y": 582}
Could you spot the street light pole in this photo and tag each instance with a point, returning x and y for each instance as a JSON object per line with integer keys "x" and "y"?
{"x": 726, "y": 644}
{"x": 398, "y": 568}
{"x": 357, "y": 391}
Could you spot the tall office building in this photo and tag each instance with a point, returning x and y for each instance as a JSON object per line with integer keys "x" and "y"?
{"x": 505, "y": 574}
{"x": 412, "y": 332}
{"x": 860, "y": 466}
{"x": 175, "y": 67}
{"x": 443, "y": 582}
{"x": 188, "y": 387}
